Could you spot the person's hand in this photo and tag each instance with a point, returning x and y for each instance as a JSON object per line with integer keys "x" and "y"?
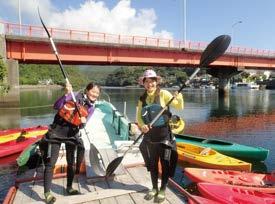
{"x": 68, "y": 88}
{"x": 83, "y": 120}
{"x": 145, "y": 128}
{"x": 175, "y": 94}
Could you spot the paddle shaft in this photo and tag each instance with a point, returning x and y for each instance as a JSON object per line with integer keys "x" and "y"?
{"x": 62, "y": 70}
{"x": 183, "y": 191}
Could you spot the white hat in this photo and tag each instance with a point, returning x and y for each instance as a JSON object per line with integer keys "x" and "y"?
{"x": 149, "y": 73}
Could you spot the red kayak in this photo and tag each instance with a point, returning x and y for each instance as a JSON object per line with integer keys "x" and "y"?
{"x": 233, "y": 194}
{"x": 21, "y": 133}
{"x": 254, "y": 181}
{"x": 200, "y": 199}
{"x": 14, "y": 141}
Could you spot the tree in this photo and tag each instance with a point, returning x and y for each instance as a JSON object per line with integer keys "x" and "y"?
{"x": 3, "y": 75}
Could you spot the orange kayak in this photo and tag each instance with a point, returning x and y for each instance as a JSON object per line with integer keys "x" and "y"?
{"x": 225, "y": 194}
{"x": 254, "y": 181}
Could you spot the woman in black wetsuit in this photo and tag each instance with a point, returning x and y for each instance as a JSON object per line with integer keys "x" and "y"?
{"x": 158, "y": 142}
{"x": 64, "y": 131}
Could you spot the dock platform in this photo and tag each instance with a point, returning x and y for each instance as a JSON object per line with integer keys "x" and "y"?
{"x": 128, "y": 188}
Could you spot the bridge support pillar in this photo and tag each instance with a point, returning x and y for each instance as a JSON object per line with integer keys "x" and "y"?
{"x": 223, "y": 74}
{"x": 13, "y": 96}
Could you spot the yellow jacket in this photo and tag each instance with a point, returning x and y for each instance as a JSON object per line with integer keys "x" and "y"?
{"x": 164, "y": 97}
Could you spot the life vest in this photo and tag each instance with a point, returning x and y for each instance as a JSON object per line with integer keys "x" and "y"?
{"x": 70, "y": 113}
{"x": 149, "y": 112}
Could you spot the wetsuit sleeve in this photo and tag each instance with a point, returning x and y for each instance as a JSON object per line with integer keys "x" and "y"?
{"x": 61, "y": 101}
{"x": 139, "y": 119}
{"x": 177, "y": 103}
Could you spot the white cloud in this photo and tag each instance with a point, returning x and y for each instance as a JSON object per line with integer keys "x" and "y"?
{"x": 95, "y": 16}
{"x": 29, "y": 8}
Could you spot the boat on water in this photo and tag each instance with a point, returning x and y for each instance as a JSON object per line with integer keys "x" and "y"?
{"x": 108, "y": 131}
{"x": 209, "y": 158}
{"x": 21, "y": 133}
{"x": 254, "y": 181}
{"x": 14, "y": 141}
{"x": 245, "y": 85}
{"x": 243, "y": 152}
{"x": 233, "y": 194}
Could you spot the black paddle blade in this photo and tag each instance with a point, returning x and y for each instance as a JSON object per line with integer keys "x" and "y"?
{"x": 214, "y": 50}
{"x": 113, "y": 165}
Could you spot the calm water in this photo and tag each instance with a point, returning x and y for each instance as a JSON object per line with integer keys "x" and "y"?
{"x": 245, "y": 116}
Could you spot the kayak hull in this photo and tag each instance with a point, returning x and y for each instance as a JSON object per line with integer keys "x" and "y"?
{"x": 206, "y": 157}
{"x": 14, "y": 141}
{"x": 232, "y": 194}
{"x": 15, "y": 135}
{"x": 243, "y": 152}
{"x": 254, "y": 181}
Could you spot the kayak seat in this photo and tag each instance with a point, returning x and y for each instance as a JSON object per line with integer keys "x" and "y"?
{"x": 205, "y": 151}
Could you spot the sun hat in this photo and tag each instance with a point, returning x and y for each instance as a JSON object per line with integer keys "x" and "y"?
{"x": 149, "y": 73}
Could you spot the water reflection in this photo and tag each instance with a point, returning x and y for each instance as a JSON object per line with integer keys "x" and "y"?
{"x": 246, "y": 117}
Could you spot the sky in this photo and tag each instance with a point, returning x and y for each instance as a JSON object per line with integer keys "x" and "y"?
{"x": 205, "y": 19}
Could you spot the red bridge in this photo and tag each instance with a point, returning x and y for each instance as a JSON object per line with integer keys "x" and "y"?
{"x": 29, "y": 44}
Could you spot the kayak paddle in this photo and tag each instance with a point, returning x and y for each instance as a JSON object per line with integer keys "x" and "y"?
{"x": 95, "y": 157}
{"x": 214, "y": 50}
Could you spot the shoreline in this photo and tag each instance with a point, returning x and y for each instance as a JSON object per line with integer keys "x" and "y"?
{"x": 34, "y": 87}
{"x": 40, "y": 87}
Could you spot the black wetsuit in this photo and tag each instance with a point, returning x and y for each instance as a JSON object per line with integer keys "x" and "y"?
{"x": 59, "y": 132}
{"x": 158, "y": 144}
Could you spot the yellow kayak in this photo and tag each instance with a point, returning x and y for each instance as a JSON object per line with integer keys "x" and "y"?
{"x": 14, "y": 134}
{"x": 209, "y": 158}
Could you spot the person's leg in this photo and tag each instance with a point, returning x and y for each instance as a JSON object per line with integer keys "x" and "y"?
{"x": 164, "y": 167}
{"x": 79, "y": 156}
{"x": 154, "y": 156}
{"x": 164, "y": 159}
{"x": 48, "y": 172}
{"x": 70, "y": 149}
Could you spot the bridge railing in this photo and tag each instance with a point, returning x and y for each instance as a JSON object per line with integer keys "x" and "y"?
{"x": 68, "y": 34}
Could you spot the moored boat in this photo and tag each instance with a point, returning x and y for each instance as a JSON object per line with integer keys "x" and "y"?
{"x": 245, "y": 85}
{"x": 16, "y": 140}
{"x": 18, "y": 134}
{"x": 232, "y": 149}
{"x": 233, "y": 194}
{"x": 209, "y": 158}
{"x": 256, "y": 181}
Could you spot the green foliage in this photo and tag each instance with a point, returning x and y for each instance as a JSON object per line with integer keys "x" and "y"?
{"x": 33, "y": 74}
{"x": 124, "y": 76}
{"x": 3, "y": 70}
{"x": 3, "y": 75}
{"x": 97, "y": 73}
{"x": 128, "y": 76}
